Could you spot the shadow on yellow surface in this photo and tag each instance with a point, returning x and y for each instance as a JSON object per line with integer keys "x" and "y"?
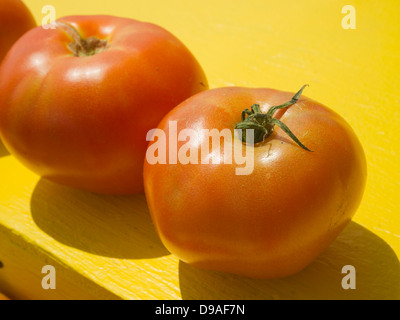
{"x": 3, "y": 297}
{"x": 376, "y": 264}
{"x": 3, "y": 150}
{"x": 112, "y": 226}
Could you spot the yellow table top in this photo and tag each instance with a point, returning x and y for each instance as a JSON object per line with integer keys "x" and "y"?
{"x": 105, "y": 247}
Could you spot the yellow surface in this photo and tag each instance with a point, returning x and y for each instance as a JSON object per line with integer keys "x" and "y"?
{"x": 105, "y": 247}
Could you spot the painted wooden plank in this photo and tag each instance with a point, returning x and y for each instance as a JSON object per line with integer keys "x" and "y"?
{"x": 105, "y": 247}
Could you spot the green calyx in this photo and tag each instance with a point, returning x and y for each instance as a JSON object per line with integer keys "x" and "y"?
{"x": 263, "y": 123}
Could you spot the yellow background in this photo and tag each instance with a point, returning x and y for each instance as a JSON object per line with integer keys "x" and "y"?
{"x": 105, "y": 247}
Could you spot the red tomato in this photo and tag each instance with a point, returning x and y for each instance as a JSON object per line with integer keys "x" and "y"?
{"x": 274, "y": 220}
{"x": 15, "y": 20}
{"x": 76, "y": 102}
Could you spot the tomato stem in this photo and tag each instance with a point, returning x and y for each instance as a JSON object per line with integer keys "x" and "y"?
{"x": 81, "y": 47}
{"x": 263, "y": 123}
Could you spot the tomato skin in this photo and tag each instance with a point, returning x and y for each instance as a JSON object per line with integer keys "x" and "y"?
{"x": 15, "y": 20}
{"x": 275, "y": 221}
{"x": 82, "y": 121}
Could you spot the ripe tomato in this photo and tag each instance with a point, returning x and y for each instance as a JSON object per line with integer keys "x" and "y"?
{"x": 15, "y": 20}
{"x": 275, "y": 219}
{"x": 76, "y": 102}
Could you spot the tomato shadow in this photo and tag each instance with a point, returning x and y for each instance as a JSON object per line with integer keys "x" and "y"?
{"x": 3, "y": 151}
{"x": 105, "y": 225}
{"x": 376, "y": 264}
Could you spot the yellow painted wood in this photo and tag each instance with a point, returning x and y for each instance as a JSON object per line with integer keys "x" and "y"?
{"x": 105, "y": 247}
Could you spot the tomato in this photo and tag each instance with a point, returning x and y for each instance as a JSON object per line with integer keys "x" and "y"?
{"x": 268, "y": 222}
{"x": 15, "y": 20}
{"x": 77, "y": 101}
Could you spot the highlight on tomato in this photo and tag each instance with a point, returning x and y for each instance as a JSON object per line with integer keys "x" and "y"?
{"x": 304, "y": 186}
{"x": 77, "y": 101}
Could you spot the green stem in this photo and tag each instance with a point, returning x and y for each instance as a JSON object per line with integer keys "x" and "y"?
{"x": 295, "y": 98}
{"x": 263, "y": 123}
{"x": 285, "y": 128}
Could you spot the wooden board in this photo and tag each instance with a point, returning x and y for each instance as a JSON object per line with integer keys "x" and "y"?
{"x": 105, "y": 247}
